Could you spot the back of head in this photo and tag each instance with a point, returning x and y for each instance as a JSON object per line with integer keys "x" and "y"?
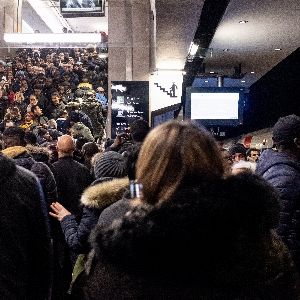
{"x": 14, "y": 136}
{"x": 109, "y": 164}
{"x": 139, "y": 130}
{"x": 30, "y": 138}
{"x": 286, "y": 130}
{"x": 65, "y": 145}
{"x": 89, "y": 149}
{"x": 175, "y": 153}
{"x": 131, "y": 154}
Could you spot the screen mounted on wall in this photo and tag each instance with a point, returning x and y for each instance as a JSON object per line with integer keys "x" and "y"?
{"x": 82, "y": 8}
{"x": 215, "y": 106}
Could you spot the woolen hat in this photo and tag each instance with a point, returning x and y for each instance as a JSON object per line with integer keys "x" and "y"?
{"x": 286, "y": 129}
{"x": 110, "y": 164}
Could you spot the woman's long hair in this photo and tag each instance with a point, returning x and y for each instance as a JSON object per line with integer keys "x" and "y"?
{"x": 175, "y": 153}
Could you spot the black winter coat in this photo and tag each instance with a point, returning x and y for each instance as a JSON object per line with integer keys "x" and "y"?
{"x": 283, "y": 173}
{"x": 42, "y": 171}
{"x": 25, "y": 260}
{"x": 72, "y": 179}
{"x": 210, "y": 241}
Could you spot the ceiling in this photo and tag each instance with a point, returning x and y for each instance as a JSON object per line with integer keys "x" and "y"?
{"x": 271, "y": 24}
{"x": 176, "y": 23}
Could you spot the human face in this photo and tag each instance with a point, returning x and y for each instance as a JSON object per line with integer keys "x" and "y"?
{"x": 33, "y": 100}
{"x": 237, "y": 157}
{"x": 55, "y": 99}
{"x": 28, "y": 117}
{"x": 38, "y": 111}
{"x": 37, "y": 92}
{"x": 19, "y": 97}
{"x": 254, "y": 156}
{"x": 24, "y": 84}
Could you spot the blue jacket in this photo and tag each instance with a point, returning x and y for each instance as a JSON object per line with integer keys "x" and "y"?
{"x": 283, "y": 173}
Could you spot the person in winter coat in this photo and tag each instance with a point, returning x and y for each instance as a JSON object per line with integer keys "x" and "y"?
{"x": 193, "y": 234}
{"x": 282, "y": 170}
{"x": 24, "y": 235}
{"x": 123, "y": 205}
{"x": 15, "y": 148}
{"x": 72, "y": 179}
{"x": 105, "y": 190}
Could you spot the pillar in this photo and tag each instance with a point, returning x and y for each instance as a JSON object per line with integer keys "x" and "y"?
{"x": 129, "y": 36}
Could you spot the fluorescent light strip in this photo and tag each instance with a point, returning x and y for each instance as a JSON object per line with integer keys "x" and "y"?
{"x": 193, "y": 49}
{"x": 32, "y": 38}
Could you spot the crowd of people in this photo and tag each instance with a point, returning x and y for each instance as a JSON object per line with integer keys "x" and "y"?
{"x": 163, "y": 213}
{"x": 53, "y": 91}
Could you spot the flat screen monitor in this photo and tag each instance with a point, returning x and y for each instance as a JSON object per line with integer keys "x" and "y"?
{"x": 82, "y": 8}
{"x": 215, "y": 106}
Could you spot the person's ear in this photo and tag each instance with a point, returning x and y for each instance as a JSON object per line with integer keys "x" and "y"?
{"x": 297, "y": 142}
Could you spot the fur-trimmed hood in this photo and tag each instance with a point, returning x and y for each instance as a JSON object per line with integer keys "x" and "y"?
{"x": 40, "y": 154}
{"x": 13, "y": 152}
{"x": 105, "y": 193}
{"x": 244, "y": 202}
{"x": 212, "y": 239}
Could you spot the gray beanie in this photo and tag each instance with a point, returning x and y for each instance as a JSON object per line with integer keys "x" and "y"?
{"x": 110, "y": 164}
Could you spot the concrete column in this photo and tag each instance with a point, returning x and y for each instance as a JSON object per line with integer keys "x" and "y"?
{"x": 13, "y": 16}
{"x": 10, "y": 21}
{"x": 129, "y": 37}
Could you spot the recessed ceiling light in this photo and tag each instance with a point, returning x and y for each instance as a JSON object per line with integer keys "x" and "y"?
{"x": 252, "y": 72}
{"x": 243, "y": 22}
{"x": 211, "y": 72}
{"x": 243, "y": 81}
{"x": 206, "y": 80}
{"x": 277, "y": 49}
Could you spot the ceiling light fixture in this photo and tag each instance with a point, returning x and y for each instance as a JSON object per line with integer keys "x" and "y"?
{"x": 277, "y": 49}
{"x": 243, "y": 22}
{"x": 206, "y": 81}
{"x": 243, "y": 81}
{"x": 49, "y": 38}
{"x": 252, "y": 72}
{"x": 193, "y": 49}
{"x": 103, "y": 55}
{"x": 212, "y": 72}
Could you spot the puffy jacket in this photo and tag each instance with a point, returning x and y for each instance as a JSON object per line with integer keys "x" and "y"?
{"x": 283, "y": 173}
{"x": 42, "y": 171}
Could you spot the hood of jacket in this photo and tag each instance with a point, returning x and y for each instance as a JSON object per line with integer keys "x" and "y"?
{"x": 213, "y": 226}
{"x": 13, "y": 152}
{"x": 270, "y": 158}
{"x": 40, "y": 154}
{"x": 20, "y": 155}
{"x": 104, "y": 193}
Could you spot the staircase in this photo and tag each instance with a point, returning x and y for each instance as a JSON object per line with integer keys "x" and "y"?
{"x": 163, "y": 89}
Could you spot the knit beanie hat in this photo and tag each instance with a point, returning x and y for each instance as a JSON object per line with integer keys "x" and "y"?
{"x": 109, "y": 164}
{"x": 286, "y": 129}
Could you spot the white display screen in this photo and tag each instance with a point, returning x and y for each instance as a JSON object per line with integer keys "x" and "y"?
{"x": 213, "y": 106}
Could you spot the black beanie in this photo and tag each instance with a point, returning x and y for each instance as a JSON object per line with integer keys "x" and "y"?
{"x": 286, "y": 129}
{"x": 110, "y": 164}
